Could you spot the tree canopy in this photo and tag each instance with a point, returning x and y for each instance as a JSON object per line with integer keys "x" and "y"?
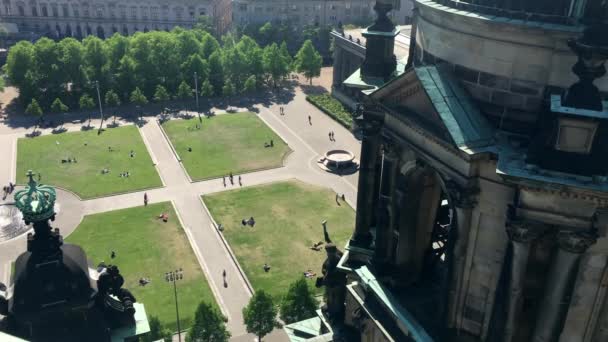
{"x": 209, "y": 325}
{"x": 260, "y": 314}
{"x": 299, "y": 303}
{"x": 65, "y": 69}
{"x": 308, "y": 61}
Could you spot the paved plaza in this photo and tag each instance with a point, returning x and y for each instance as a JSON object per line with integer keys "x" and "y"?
{"x": 308, "y": 143}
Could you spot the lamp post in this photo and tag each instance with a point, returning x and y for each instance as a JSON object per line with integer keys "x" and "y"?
{"x": 196, "y": 95}
{"x": 173, "y": 276}
{"x": 100, "y": 108}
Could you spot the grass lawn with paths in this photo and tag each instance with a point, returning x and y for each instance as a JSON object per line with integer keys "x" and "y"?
{"x": 44, "y": 154}
{"x": 225, "y": 143}
{"x": 288, "y": 219}
{"x": 147, "y": 247}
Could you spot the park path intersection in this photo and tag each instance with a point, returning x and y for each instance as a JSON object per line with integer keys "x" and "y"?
{"x": 308, "y": 143}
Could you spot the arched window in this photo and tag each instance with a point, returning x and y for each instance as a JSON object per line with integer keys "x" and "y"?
{"x": 34, "y": 10}
{"x": 21, "y": 9}
{"x": 76, "y": 12}
{"x": 45, "y": 11}
{"x": 65, "y": 10}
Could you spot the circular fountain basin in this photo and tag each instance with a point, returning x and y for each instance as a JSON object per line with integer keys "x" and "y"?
{"x": 11, "y": 222}
{"x": 339, "y": 158}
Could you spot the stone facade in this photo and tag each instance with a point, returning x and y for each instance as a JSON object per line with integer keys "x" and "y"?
{"x": 57, "y": 18}
{"x": 466, "y": 236}
{"x": 313, "y": 11}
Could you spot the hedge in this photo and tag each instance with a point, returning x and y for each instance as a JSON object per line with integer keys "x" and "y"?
{"x": 333, "y": 108}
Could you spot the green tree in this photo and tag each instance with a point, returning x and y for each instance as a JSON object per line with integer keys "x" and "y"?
{"x": 58, "y": 106}
{"x": 274, "y": 64}
{"x": 206, "y": 89}
{"x": 161, "y": 94}
{"x": 112, "y": 100}
{"x": 157, "y": 332}
{"x": 308, "y": 61}
{"x": 138, "y": 99}
{"x": 216, "y": 72}
{"x": 86, "y": 103}
{"x": 286, "y": 57}
{"x": 209, "y": 325}
{"x": 195, "y": 64}
{"x": 184, "y": 91}
{"x": 249, "y": 85}
{"x": 299, "y": 303}
{"x": 205, "y": 23}
{"x": 19, "y": 61}
{"x": 34, "y": 109}
{"x": 228, "y": 90}
{"x": 260, "y": 315}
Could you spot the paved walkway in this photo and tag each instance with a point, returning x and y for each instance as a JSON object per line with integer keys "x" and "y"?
{"x": 308, "y": 142}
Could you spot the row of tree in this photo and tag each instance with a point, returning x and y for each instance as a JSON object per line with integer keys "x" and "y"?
{"x": 161, "y": 65}
{"x": 260, "y": 316}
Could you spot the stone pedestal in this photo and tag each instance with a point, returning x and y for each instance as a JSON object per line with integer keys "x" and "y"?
{"x": 561, "y": 276}
{"x": 370, "y": 145}
{"x": 522, "y": 235}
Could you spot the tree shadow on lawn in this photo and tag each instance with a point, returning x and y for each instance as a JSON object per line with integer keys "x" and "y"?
{"x": 282, "y": 94}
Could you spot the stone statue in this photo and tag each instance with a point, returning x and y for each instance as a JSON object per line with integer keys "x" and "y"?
{"x": 335, "y": 284}
{"x": 110, "y": 282}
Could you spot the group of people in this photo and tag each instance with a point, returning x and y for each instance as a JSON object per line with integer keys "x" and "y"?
{"x": 125, "y": 174}
{"x": 163, "y": 216}
{"x": 231, "y": 179}
{"x": 269, "y": 144}
{"x": 282, "y": 110}
{"x": 69, "y": 160}
{"x": 250, "y": 222}
{"x": 332, "y": 136}
{"x": 7, "y": 190}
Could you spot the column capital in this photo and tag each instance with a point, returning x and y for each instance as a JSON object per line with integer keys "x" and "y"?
{"x": 576, "y": 242}
{"x": 462, "y": 196}
{"x": 524, "y": 231}
{"x": 390, "y": 149}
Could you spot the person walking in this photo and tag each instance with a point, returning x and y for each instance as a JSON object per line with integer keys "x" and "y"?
{"x": 145, "y": 199}
{"x": 309, "y": 120}
{"x": 240, "y": 182}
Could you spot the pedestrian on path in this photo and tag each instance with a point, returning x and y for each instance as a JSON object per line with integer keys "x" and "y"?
{"x": 333, "y": 136}
{"x": 309, "y": 120}
{"x": 231, "y": 179}
{"x": 145, "y": 199}
{"x": 224, "y": 180}
{"x": 240, "y": 183}
{"x": 329, "y": 135}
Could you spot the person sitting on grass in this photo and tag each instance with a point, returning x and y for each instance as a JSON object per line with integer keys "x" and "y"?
{"x": 309, "y": 274}
{"x": 251, "y": 221}
{"x": 164, "y": 217}
{"x": 266, "y": 268}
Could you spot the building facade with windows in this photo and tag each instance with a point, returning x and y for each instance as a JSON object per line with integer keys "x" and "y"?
{"x": 307, "y": 12}
{"x": 69, "y": 18}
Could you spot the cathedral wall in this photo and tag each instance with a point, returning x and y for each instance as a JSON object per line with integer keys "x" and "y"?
{"x": 508, "y": 65}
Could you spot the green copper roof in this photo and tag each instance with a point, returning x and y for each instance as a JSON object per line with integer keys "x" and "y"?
{"x": 36, "y": 202}
{"x": 466, "y": 125}
{"x": 368, "y": 281}
{"x": 140, "y": 327}
{"x": 303, "y": 330}
{"x": 370, "y": 84}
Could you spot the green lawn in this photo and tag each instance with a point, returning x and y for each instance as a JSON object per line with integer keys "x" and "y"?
{"x": 43, "y": 154}
{"x": 147, "y": 247}
{"x": 225, "y": 143}
{"x": 288, "y": 220}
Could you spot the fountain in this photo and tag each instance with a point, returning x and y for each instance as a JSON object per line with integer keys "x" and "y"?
{"x": 338, "y": 161}
{"x": 11, "y": 222}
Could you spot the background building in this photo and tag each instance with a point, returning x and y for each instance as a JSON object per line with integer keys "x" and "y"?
{"x": 62, "y": 18}
{"x": 309, "y": 12}
{"x": 481, "y": 208}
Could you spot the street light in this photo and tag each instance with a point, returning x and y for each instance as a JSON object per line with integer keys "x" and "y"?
{"x": 174, "y": 276}
{"x": 100, "y": 109}
{"x": 196, "y": 95}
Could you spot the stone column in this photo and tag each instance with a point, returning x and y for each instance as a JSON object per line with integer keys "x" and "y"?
{"x": 522, "y": 235}
{"x": 383, "y": 227}
{"x": 367, "y": 182}
{"x": 561, "y": 276}
{"x": 463, "y": 201}
{"x": 337, "y": 80}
